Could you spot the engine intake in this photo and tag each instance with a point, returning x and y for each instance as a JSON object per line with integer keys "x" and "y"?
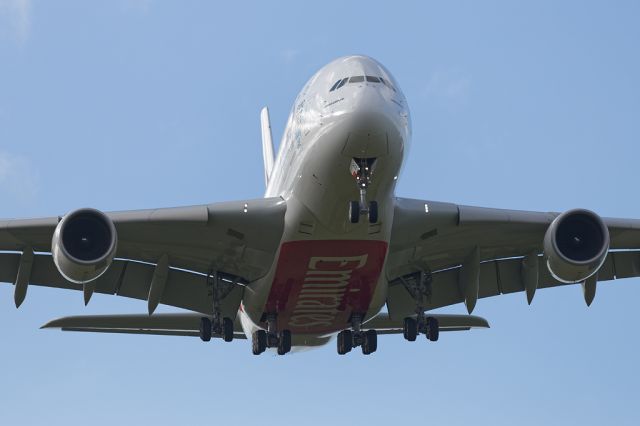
{"x": 84, "y": 245}
{"x": 576, "y": 245}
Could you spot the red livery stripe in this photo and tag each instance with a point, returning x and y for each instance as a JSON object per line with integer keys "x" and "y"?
{"x": 318, "y": 284}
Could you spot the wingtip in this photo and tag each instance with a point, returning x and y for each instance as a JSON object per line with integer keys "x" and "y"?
{"x": 51, "y": 324}
{"x": 483, "y": 322}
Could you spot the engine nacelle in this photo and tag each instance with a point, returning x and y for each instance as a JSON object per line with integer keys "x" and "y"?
{"x": 576, "y": 245}
{"x": 83, "y": 245}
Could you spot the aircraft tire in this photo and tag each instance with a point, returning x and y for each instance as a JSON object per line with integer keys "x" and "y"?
{"x": 227, "y": 329}
{"x": 433, "y": 329}
{"x": 370, "y": 344}
{"x": 205, "y": 329}
{"x": 354, "y": 211}
{"x": 410, "y": 329}
{"x": 284, "y": 344}
{"x": 373, "y": 212}
{"x": 259, "y": 342}
{"x": 345, "y": 342}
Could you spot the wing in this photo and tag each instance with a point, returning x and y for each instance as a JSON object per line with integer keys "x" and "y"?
{"x": 238, "y": 240}
{"x": 159, "y": 324}
{"x": 440, "y": 238}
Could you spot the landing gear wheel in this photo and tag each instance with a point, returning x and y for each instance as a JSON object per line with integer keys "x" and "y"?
{"x": 433, "y": 329}
{"x": 410, "y": 329}
{"x": 259, "y": 342}
{"x": 227, "y": 329}
{"x": 205, "y": 329}
{"x": 370, "y": 343}
{"x": 345, "y": 342}
{"x": 354, "y": 211}
{"x": 284, "y": 343}
{"x": 373, "y": 212}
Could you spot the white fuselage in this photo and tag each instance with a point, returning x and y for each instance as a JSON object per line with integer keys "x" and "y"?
{"x": 327, "y": 267}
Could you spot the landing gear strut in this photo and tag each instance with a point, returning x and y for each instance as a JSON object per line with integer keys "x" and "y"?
{"x": 419, "y": 286}
{"x": 217, "y": 325}
{"x": 349, "y": 339}
{"x": 362, "y": 169}
{"x": 271, "y": 338}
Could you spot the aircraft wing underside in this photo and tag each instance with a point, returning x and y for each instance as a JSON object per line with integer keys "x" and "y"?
{"x": 183, "y": 289}
{"x": 500, "y": 276}
{"x": 236, "y": 240}
{"x": 439, "y": 238}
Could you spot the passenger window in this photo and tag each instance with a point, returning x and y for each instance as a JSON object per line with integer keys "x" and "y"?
{"x": 357, "y": 79}
{"x": 335, "y": 86}
{"x": 371, "y": 79}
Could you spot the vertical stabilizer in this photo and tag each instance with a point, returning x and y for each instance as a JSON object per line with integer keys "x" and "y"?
{"x": 267, "y": 144}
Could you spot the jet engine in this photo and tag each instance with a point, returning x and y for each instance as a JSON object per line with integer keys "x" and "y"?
{"x": 576, "y": 245}
{"x": 83, "y": 245}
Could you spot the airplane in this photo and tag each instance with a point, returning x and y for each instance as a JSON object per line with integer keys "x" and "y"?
{"x": 327, "y": 249}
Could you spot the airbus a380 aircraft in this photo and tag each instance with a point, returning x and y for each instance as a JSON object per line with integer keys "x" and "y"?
{"x": 328, "y": 246}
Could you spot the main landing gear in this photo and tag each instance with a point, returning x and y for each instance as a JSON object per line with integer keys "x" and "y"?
{"x": 217, "y": 325}
{"x": 419, "y": 287}
{"x": 271, "y": 338}
{"x": 349, "y": 339}
{"x": 427, "y": 325}
{"x": 362, "y": 169}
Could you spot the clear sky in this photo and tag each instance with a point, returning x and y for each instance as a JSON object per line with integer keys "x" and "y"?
{"x": 139, "y": 104}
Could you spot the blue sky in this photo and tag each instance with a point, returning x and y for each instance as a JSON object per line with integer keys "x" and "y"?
{"x": 139, "y": 104}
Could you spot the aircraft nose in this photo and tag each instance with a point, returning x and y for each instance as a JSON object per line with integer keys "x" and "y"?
{"x": 373, "y": 126}
{"x": 369, "y": 111}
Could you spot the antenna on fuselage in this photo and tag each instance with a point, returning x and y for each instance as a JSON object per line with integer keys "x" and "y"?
{"x": 267, "y": 144}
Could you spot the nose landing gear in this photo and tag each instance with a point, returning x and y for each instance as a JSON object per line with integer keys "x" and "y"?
{"x": 362, "y": 169}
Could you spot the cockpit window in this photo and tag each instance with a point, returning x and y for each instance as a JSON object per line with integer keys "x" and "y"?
{"x": 360, "y": 79}
{"x": 338, "y": 84}
{"x": 386, "y": 83}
